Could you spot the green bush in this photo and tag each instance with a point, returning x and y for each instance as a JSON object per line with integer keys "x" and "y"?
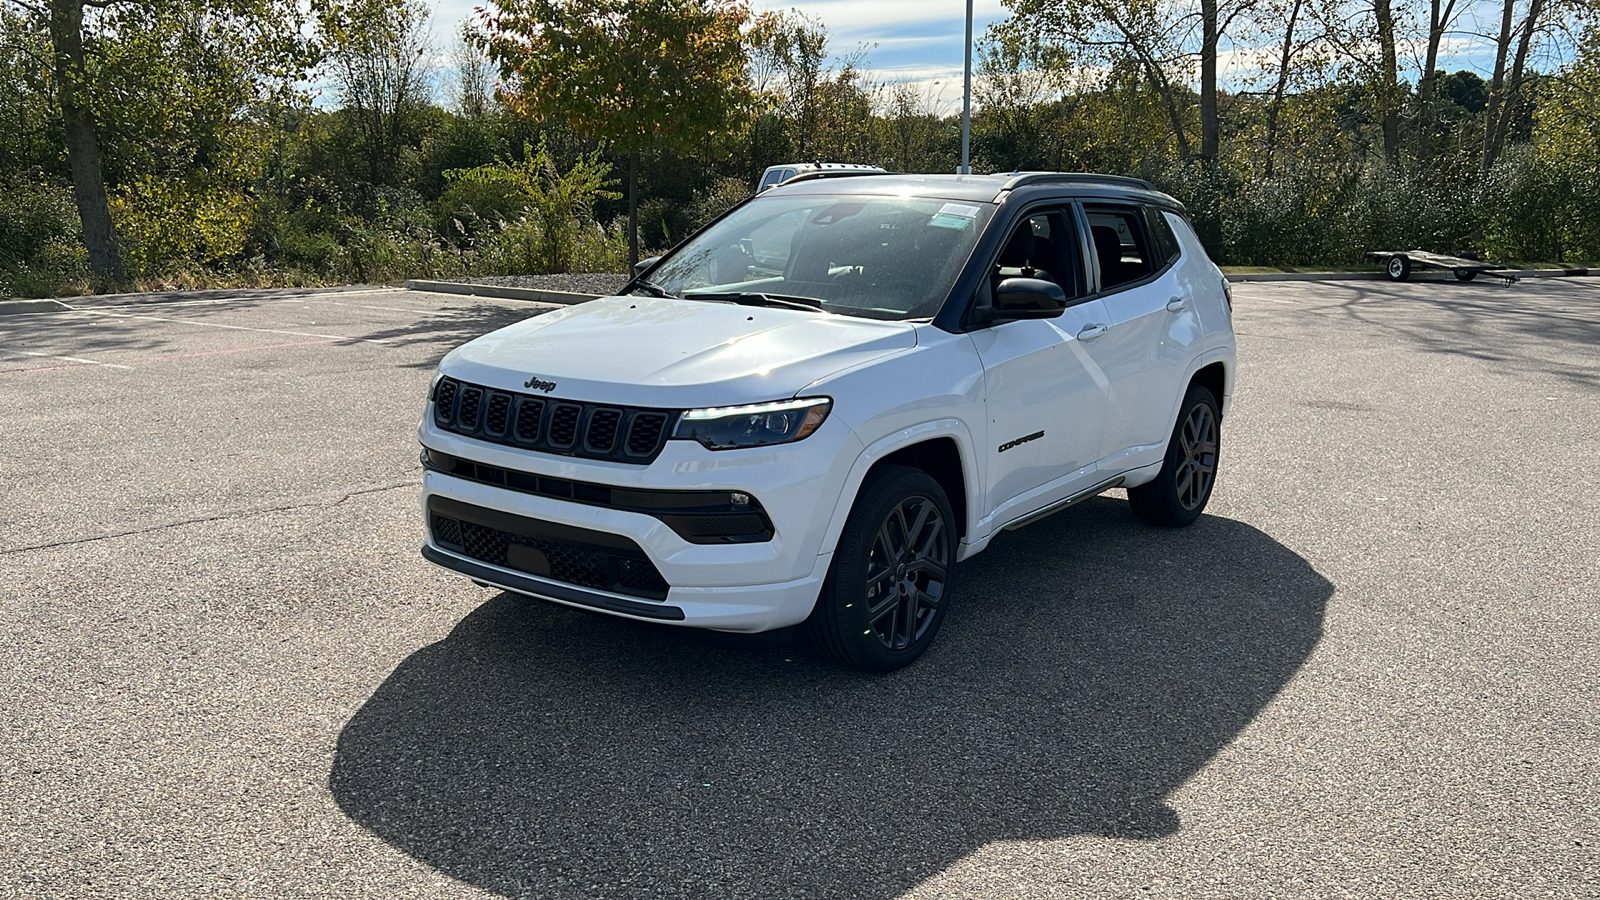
{"x": 170, "y": 223}
{"x": 707, "y": 205}
{"x": 1541, "y": 207}
{"x": 40, "y": 250}
{"x": 560, "y": 205}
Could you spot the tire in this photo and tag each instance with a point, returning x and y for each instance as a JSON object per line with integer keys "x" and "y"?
{"x": 1399, "y": 268}
{"x": 1466, "y": 274}
{"x": 888, "y": 589}
{"x": 1178, "y": 495}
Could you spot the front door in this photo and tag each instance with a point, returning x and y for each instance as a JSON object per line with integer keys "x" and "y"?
{"x": 1044, "y": 392}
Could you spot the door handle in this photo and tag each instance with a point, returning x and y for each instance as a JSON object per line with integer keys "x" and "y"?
{"x": 1090, "y": 332}
{"x": 1177, "y": 303}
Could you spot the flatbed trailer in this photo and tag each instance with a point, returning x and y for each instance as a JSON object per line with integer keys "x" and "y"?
{"x": 1399, "y": 263}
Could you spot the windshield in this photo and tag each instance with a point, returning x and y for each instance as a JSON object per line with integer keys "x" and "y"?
{"x": 876, "y": 257}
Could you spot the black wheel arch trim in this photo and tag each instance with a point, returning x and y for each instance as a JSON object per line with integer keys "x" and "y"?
{"x": 549, "y": 591}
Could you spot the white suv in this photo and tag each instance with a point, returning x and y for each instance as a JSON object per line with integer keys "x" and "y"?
{"x": 813, "y": 409}
{"x": 776, "y": 175}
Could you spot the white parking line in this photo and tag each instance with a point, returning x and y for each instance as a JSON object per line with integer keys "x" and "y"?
{"x": 217, "y": 301}
{"x": 311, "y": 334}
{"x": 413, "y": 310}
{"x": 72, "y": 359}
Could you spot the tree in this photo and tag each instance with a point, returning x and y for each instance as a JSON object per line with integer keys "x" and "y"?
{"x": 1151, "y": 33}
{"x": 378, "y": 52}
{"x": 72, "y": 84}
{"x": 1506, "y": 88}
{"x": 204, "y": 60}
{"x": 788, "y": 52}
{"x": 1286, "y": 55}
{"x": 638, "y": 74}
{"x": 1441, "y": 15}
{"x": 474, "y": 78}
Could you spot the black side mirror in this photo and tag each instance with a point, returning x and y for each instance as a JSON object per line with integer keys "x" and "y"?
{"x": 642, "y": 265}
{"x": 1029, "y": 298}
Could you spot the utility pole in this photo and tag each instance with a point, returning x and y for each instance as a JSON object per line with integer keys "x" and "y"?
{"x": 966, "y": 104}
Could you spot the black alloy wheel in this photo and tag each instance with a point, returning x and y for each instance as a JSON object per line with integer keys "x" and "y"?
{"x": 1178, "y": 495}
{"x": 889, "y": 587}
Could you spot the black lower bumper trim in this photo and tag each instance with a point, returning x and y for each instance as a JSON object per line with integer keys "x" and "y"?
{"x": 564, "y": 593}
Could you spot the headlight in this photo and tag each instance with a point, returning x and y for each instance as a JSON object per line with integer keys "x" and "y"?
{"x": 727, "y": 427}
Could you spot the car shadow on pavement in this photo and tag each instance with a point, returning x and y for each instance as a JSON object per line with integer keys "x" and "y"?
{"x": 1093, "y": 666}
{"x": 443, "y": 330}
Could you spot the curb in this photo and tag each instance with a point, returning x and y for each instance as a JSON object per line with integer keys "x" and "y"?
{"x": 499, "y": 292}
{"x": 9, "y": 307}
{"x": 1306, "y": 276}
{"x": 1444, "y": 275}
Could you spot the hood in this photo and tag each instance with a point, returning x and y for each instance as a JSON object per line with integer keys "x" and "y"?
{"x": 646, "y": 351}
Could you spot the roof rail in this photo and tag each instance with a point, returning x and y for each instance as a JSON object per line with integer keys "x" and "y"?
{"x": 832, "y": 173}
{"x": 1020, "y": 179}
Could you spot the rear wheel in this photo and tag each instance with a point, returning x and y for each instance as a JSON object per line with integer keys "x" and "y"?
{"x": 1399, "y": 268}
{"x": 1178, "y": 495}
{"x": 888, "y": 589}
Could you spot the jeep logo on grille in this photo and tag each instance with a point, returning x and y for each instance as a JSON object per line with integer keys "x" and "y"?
{"x": 538, "y": 385}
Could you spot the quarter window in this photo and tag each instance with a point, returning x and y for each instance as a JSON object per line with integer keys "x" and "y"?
{"x": 1166, "y": 243}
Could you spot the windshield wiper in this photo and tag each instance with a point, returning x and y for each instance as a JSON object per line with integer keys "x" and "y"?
{"x": 649, "y": 287}
{"x": 756, "y": 298}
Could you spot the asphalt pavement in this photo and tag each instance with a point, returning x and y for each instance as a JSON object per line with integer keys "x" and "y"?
{"x": 1371, "y": 670}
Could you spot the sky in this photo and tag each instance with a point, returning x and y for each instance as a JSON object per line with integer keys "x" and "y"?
{"x": 906, "y": 40}
{"x": 920, "y": 41}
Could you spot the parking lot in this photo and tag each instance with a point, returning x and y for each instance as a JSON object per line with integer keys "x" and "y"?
{"x": 1371, "y": 670}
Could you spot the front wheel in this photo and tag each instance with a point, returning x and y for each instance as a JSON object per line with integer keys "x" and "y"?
{"x": 888, "y": 589}
{"x": 1178, "y": 495}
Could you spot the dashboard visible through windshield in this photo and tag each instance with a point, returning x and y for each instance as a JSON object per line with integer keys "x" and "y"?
{"x": 880, "y": 257}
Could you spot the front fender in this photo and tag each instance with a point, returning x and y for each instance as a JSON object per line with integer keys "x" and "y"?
{"x": 881, "y": 449}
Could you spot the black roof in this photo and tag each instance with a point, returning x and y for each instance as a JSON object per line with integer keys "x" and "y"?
{"x": 980, "y": 188}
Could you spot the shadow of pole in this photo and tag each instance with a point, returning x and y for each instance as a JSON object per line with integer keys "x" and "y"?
{"x": 1093, "y": 666}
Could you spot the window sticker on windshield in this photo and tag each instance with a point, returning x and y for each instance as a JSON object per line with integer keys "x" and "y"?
{"x": 954, "y": 215}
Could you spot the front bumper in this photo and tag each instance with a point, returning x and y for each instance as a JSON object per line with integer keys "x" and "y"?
{"x": 752, "y": 586}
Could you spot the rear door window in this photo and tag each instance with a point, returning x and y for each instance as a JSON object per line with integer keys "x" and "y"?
{"x": 1121, "y": 244}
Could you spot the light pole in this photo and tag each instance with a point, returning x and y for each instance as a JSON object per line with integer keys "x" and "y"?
{"x": 966, "y": 104}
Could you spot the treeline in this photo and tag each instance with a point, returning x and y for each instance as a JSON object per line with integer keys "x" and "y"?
{"x": 147, "y": 143}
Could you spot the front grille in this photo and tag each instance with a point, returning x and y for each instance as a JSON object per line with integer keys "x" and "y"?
{"x": 557, "y": 552}
{"x": 565, "y": 427}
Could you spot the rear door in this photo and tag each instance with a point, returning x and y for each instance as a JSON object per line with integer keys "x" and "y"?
{"x": 1045, "y": 395}
{"x": 1154, "y": 331}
